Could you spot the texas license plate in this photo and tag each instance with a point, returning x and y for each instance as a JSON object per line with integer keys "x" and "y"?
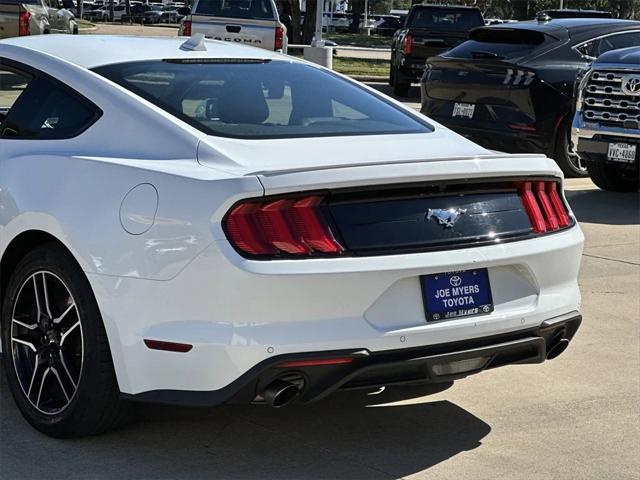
{"x": 463, "y": 110}
{"x": 622, "y": 152}
{"x": 457, "y": 294}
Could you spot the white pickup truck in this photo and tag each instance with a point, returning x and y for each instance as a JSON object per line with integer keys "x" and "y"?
{"x": 250, "y": 22}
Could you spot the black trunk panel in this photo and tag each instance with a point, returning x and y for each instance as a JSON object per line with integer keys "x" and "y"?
{"x": 378, "y": 225}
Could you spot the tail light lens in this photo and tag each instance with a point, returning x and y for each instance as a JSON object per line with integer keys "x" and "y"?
{"x": 407, "y": 44}
{"x": 279, "y": 40}
{"x": 546, "y": 211}
{"x": 23, "y": 24}
{"x": 186, "y": 28}
{"x": 287, "y": 226}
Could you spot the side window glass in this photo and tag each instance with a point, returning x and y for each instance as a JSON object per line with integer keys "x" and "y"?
{"x": 46, "y": 111}
{"x": 619, "y": 41}
{"x": 12, "y": 85}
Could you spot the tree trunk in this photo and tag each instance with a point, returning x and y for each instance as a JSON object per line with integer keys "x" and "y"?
{"x": 357, "y": 9}
{"x": 111, "y": 11}
{"x": 309, "y": 26}
{"x": 289, "y": 8}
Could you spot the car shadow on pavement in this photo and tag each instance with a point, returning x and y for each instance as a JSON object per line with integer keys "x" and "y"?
{"x": 348, "y": 435}
{"x": 610, "y": 208}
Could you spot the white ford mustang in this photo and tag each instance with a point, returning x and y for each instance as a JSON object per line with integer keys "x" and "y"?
{"x": 194, "y": 222}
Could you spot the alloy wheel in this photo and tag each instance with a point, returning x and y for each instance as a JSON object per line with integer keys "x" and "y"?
{"x": 47, "y": 343}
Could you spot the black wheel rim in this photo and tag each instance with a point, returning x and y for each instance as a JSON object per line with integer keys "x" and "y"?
{"x": 47, "y": 343}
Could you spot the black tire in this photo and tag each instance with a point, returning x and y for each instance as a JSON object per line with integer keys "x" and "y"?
{"x": 400, "y": 85}
{"x": 95, "y": 405}
{"x": 572, "y": 165}
{"x": 391, "y": 74}
{"x": 613, "y": 178}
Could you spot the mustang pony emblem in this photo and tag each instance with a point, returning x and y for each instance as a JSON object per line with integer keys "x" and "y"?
{"x": 445, "y": 217}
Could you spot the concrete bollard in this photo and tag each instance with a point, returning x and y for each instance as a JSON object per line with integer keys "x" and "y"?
{"x": 321, "y": 55}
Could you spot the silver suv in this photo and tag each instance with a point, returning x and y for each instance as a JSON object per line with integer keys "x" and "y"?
{"x": 35, "y": 17}
{"x": 248, "y": 22}
{"x": 606, "y": 126}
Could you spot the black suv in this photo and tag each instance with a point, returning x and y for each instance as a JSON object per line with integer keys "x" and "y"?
{"x": 428, "y": 30}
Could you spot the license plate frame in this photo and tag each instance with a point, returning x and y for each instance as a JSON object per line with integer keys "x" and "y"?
{"x": 463, "y": 110}
{"x": 622, "y": 152}
{"x": 433, "y": 298}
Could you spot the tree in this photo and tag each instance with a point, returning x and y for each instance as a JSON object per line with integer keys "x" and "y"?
{"x": 309, "y": 25}
{"x": 291, "y": 8}
{"x": 357, "y": 9}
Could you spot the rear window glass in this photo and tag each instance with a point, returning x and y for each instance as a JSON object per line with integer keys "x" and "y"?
{"x": 445, "y": 19}
{"x": 499, "y": 44}
{"x": 274, "y": 99}
{"x": 257, "y": 9}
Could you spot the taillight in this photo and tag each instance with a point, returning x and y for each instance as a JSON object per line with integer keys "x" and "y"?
{"x": 543, "y": 205}
{"x": 186, "y": 28}
{"x": 286, "y": 226}
{"x": 279, "y": 40}
{"x": 407, "y": 44}
{"x": 23, "y": 24}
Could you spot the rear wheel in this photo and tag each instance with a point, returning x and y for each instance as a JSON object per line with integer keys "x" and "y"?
{"x": 570, "y": 163}
{"x": 57, "y": 360}
{"x": 400, "y": 84}
{"x": 613, "y": 178}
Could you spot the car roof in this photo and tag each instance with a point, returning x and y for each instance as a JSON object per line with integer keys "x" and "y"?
{"x": 573, "y": 27}
{"x": 90, "y": 51}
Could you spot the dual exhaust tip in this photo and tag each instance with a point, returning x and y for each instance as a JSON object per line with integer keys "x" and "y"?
{"x": 282, "y": 392}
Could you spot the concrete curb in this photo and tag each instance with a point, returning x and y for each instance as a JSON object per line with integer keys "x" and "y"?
{"x": 370, "y": 78}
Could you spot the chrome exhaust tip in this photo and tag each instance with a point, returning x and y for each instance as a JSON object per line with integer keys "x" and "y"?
{"x": 280, "y": 393}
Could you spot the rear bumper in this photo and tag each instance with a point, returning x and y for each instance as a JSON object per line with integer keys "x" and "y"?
{"x": 424, "y": 365}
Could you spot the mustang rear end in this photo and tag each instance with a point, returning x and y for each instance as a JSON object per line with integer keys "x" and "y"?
{"x": 330, "y": 282}
{"x": 263, "y": 230}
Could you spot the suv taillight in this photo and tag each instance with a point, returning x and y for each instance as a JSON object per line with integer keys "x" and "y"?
{"x": 279, "y": 40}
{"x": 546, "y": 210}
{"x": 287, "y": 226}
{"x": 23, "y": 24}
{"x": 186, "y": 28}
{"x": 407, "y": 44}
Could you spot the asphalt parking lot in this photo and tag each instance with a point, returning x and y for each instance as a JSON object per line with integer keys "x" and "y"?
{"x": 576, "y": 417}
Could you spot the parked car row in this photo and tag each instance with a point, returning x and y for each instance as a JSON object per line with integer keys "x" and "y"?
{"x": 35, "y": 17}
{"x": 511, "y": 86}
{"x": 140, "y": 12}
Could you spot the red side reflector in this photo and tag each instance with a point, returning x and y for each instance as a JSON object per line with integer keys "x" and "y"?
{"x": 167, "y": 346}
{"x": 23, "y": 24}
{"x": 522, "y": 127}
{"x": 558, "y": 206}
{"x": 276, "y": 229}
{"x": 315, "y": 233}
{"x": 316, "y": 362}
{"x": 531, "y": 207}
{"x": 551, "y": 221}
